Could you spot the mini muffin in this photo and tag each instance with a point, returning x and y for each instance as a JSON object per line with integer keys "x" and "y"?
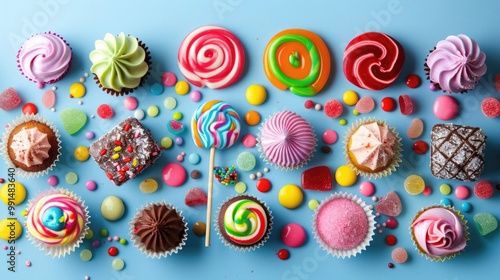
{"x": 439, "y": 232}
{"x": 372, "y": 148}
{"x": 44, "y": 58}
{"x": 32, "y": 145}
{"x": 343, "y": 225}
{"x": 456, "y": 64}
{"x": 57, "y": 221}
{"x": 286, "y": 140}
{"x": 158, "y": 230}
{"x": 120, "y": 63}
{"x": 244, "y": 223}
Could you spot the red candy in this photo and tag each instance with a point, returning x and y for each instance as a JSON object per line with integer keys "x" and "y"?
{"x": 283, "y": 254}
{"x": 309, "y": 104}
{"x": 391, "y": 223}
{"x": 365, "y": 105}
{"x": 29, "y": 109}
{"x": 390, "y": 205}
{"x": 9, "y": 99}
{"x": 263, "y": 185}
{"x": 388, "y": 104}
{"x": 483, "y": 189}
{"x": 333, "y": 108}
{"x": 390, "y": 265}
{"x": 405, "y": 104}
{"x": 113, "y": 251}
{"x": 318, "y": 178}
{"x": 413, "y": 81}
{"x": 195, "y": 196}
{"x": 490, "y": 107}
{"x": 105, "y": 111}
{"x": 391, "y": 240}
{"x": 420, "y": 147}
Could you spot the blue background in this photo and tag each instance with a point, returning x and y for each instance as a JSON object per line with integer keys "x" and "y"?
{"x": 417, "y": 25}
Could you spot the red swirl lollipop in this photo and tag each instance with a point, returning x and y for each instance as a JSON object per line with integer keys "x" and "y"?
{"x": 373, "y": 60}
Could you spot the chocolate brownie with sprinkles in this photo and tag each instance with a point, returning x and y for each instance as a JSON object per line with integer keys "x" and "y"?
{"x": 125, "y": 151}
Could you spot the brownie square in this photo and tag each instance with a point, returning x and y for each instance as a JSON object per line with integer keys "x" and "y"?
{"x": 125, "y": 151}
{"x": 457, "y": 152}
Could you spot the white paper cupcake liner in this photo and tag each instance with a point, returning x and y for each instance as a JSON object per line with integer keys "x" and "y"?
{"x": 236, "y": 246}
{"x": 369, "y": 234}
{"x": 60, "y": 250}
{"x": 397, "y": 150}
{"x": 136, "y": 240}
{"x": 443, "y": 258}
{"x": 4, "y": 145}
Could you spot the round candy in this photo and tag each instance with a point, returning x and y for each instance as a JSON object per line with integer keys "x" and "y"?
{"x": 89, "y": 135}
{"x": 112, "y": 208}
{"x": 177, "y": 116}
{"x": 194, "y": 158}
{"x": 168, "y": 79}
{"x": 350, "y": 98}
{"x": 156, "y": 89}
{"x": 130, "y": 103}
{"x": 113, "y": 251}
{"x": 179, "y": 141}
{"x": 445, "y": 107}
{"x": 414, "y": 184}
{"x": 52, "y": 180}
{"x": 330, "y": 136}
{"x": 405, "y": 104}
{"x": 91, "y": 185}
{"x": 290, "y": 196}
{"x": 249, "y": 141}
{"x": 256, "y": 94}
{"x": 29, "y": 109}
{"x": 195, "y": 96}
{"x": 420, "y": 147}
{"x": 445, "y": 189}
{"x": 391, "y": 223}
{"x": 86, "y": 255}
{"x": 313, "y": 204}
{"x": 139, "y": 114}
{"x": 77, "y": 90}
{"x": 345, "y": 176}
{"x": 333, "y": 108}
{"x": 413, "y": 81}
{"x": 388, "y": 104}
{"x": 283, "y": 254}
{"x": 483, "y": 189}
{"x": 297, "y": 59}
{"x": 309, "y": 104}
{"x": 148, "y": 186}
{"x": 174, "y": 174}
{"x": 246, "y": 161}
{"x": 293, "y": 235}
{"x": 240, "y": 187}
{"x": 153, "y": 111}
{"x": 427, "y": 191}
{"x": 446, "y": 201}
{"x": 10, "y": 229}
{"x": 367, "y": 188}
{"x": 252, "y": 118}
{"x": 373, "y": 60}
{"x": 13, "y": 192}
{"x": 263, "y": 185}
{"x": 365, "y": 105}
{"x": 211, "y": 56}
{"x": 105, "y": 111}
{"x": 81, "y": 153}
{"x": 215, "y": 124}
{"x": 491, "y": 107}
{"x": 181, "y": 87}
{"x": 399, "y": 255}
{"x": 71, "y": 178}
{"x": 462, "y": 192}
{"x": 166, "y": 142}
{"x": 466, "y": 207}
{"x": 199, "y": 228}
{"x": 118, "y": 264}
{"x": 170, "y": 103}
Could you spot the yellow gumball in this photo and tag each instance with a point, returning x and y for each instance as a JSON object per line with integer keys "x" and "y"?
{"x": 290, "y": 196}
{"x": 345, "y": 176}
{"x": 256, "y": 94}
{"x": 350, "y": 98}
{"x": 14, "y": 192}
{"x": 10, "y": 229}
{"x": 182, "y": 87}
{"x": 81, "y": 153}
{"x": 77, "y": 90}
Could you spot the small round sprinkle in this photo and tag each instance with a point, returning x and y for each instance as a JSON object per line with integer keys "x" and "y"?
{"x": 259, "y": 174}
{"x": 82, "y": 80}
{"x": 24, "y": 213}
{"x": 28, "y": 263}
{"x": 427, "y": 191}
{"x": 252, "y": 176}
{"x": 166, "y": 142}
{"x": 87, "y": 277}
{"x": 355, "y": 112}
{"x": 318, "y": 107}
{"x": 54, "y": 88}
{"x": 89, "y": 234}
{"x": 283, "y": 254}
{"x": 181, "y": 87}
{"x": 445, "y": 189}
{"x": 156, "y": 89}
{"x": 240, "y": 187}
{"x": 139, "y": 114}
{"x": 177, "y": 116}
{"x": 179, "y": 158}
{"x": 199, "y": 228}
{"x": 91, "y": 185}
{"x": 104, "y": 232}
{"x": 195, "y": 96}
{"x": 195, "y": 174}
{"x": 80, "y": 102}
{"x": 118, "y": 264}
{"x": 123, "y": 241}
{"x": 89, "y": 135}
{"x": 96, "y": 244}
{"x": 153, "y": 111}
{"x": 109, "y": 239}
{"x": 194, "y": 158}
{"x": 86, "y": 75}
{"x": 179, "y": 141}
{"x": 266, "y": 169}
{"x": 390, "y": 265}
{"x": 53, "y": 109}
{"x": 374, "y": 198}
{"x": 170, "y": 103}
{"x": 85, "y": 255}
{"x": 313, "y": 204}
{"x": 342, "y": 122}
{"x": 52, "y": 181}
{"x": 113, "y": 251}
{"x": 71, "y": 178}
{"x": 309, "y": 104}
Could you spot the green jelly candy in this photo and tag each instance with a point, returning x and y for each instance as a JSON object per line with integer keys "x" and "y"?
{"x": 73, "y": 120}
{"x": 246, "y": 161}
{"x": 485, "y": 223}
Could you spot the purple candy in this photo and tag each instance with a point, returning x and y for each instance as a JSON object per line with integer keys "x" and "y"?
{"x": 89, "y": 135}
{"x": 91, "y": 185}
{"x": 53, "y": 181}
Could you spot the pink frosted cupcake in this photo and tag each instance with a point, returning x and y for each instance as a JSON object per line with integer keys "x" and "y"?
{"x": 343, "y": 225}
{"x": 286, "y": 140}
{"x": 44, "y": 58}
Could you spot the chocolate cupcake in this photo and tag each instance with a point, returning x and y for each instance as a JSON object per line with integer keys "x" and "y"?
{"x": 244, "y": 222}
{"x": 158, "y": 230}
{"x": 120, "y": 63}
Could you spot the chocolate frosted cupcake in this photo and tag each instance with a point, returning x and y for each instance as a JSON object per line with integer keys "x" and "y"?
{"x": 31, "y": 144}
{"x": 158, "y": 230}
{"x": 120, "y": 63}
{"x": 244, "y": 222}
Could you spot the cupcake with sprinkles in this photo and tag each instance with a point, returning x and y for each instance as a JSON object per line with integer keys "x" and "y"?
{"x": 244, "y": 223}
{"x": 57, "y": 221}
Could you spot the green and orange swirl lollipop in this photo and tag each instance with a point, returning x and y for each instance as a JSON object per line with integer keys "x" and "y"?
{"x": 297, "y": 59}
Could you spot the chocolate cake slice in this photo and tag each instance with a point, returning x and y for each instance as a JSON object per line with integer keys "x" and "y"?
{"x": 457, "y": 152}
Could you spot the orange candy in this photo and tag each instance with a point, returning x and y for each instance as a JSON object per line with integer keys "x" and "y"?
{"x": 252, "y": 118}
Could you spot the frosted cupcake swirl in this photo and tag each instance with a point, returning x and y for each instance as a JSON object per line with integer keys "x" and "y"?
{"x": 56, "y": 219}
{"x": 119, "y": 62}
{"x": 439, "y": 232}
{"x": 373, "y": 146}
{"x": 456, "y": 64}
{"x": 245, "y": 222}
{"x": 30, "y": 146}
{"x": 44, "y": 58}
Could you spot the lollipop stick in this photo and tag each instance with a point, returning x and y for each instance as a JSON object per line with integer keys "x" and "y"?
{"x": 209, "y": 199}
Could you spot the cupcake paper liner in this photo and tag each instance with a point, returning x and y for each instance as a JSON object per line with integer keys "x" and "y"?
{"x": 136, "y": 241}
{"x": 397, "y": 150}
{"x": 285, "y": 168}
{"x": 4, "y": 145}
{"x": 236, "y": 246}
{"x": 465, "y": 233}
{"x": 369, "y": 235}
{"x": 56, "y": 250}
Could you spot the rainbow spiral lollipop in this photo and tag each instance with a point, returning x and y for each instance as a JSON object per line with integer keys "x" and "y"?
{"x": 215, "y": 125}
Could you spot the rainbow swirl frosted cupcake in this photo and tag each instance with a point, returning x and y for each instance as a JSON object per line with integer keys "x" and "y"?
{"x": 244, "y": 222}
{"x": 57, "y": 221}
{"x": 44, "y": 58}
{"x": 286, "y": 140}
{"x": 439, "y": 232}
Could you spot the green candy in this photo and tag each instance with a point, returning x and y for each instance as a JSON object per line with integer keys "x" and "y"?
{"x": 73, "y": 120}
{"x": 246, "y": 161}
{"x": 485, "y": 223}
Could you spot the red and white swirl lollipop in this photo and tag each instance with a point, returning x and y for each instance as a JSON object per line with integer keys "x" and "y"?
{"x": 211, "y": 56}
{"x": 373, "y": 60}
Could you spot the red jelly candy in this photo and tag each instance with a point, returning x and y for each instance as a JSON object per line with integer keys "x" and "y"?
{"x": 309, "y": 104}
{"x": 318, "y": 178}
{"x": 9, "y": 99}
{"x": 105, "y": 111}
{"x": 413, "y": 81}
{"x": 405, "y": 104}
{"x": 113, "y": 251}
{"x": 490, "y": 107}
{"x": 333, "y": 108}
{"x": 29, "y": 109}
{"x": 420, "y": 147}
{"x": 263, "y": 185}
{"x": 388, "y": 104}
{"x": 390, "y": 205}
{"x": 483, "y": 189}
{"x": 365, "y": 105}
{"x": 195, "y": 196}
